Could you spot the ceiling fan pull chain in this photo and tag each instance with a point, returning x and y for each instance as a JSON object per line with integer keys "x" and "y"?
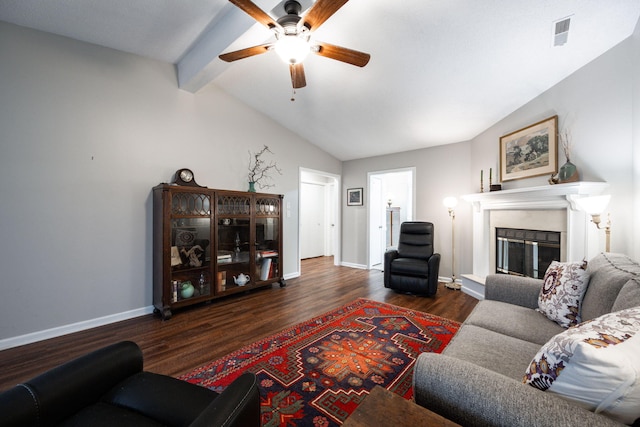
{"x": 293, "y": 95}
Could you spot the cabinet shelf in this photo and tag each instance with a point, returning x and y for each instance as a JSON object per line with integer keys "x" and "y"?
{"x": 228, "y": 232}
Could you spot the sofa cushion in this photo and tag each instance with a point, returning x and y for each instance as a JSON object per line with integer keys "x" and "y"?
{"x": 500, "y": 353}
{"x": 410, "y": 267}
{"x": 104, "y": 415}
{"x": 608, "y": 273}
{"x": 628, "y": 297}
{"x": 563, "y": 288}
{"x": 595, "y": 365}
{"x": 154, "y": 395}
{"x": 513, "y": 320}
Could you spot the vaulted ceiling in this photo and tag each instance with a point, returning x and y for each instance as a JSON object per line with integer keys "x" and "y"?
{"x": 440, "y": 71}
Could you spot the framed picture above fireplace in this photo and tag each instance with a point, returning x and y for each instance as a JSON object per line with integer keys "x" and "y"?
{"x": 531, "y": 151}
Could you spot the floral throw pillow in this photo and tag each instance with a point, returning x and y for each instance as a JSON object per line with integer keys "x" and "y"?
{"x": 595, "y": 364}
{"x": 561, "y": 295}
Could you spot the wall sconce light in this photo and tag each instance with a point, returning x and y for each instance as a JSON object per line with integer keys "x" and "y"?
{"x": 450, "y": 203}
{"x": 594, "y": 206}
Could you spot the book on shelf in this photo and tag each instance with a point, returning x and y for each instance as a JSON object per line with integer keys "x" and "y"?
{"x": 268, "y": 253}
{"x": 224, "y": 256}
{"x": 266, "y": 268}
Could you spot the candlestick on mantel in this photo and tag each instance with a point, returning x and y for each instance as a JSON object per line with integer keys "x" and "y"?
{"x": 481, "y": 181}
{"x": 490, "y": 176}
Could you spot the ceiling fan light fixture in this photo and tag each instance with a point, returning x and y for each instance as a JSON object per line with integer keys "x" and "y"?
{"x": 293, "y": 37}
{"x": 292, "y": 48}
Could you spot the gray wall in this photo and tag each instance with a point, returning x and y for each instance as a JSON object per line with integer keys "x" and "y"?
{"x": 86, "y": 132}
{"x": 599, "y": 103}
{"x": 440, "y": 172}
{"x": 635, "y": 49}
{"x": 595, "y": 104}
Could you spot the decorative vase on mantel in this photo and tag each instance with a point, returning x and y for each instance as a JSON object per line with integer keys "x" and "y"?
{"x": 252, "y": 187}
{"x": 567, "y": 173}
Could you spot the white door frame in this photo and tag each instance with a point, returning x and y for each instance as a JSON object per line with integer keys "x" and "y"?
{"x": 333, "y": 215}
{"x": 381, "y": 174}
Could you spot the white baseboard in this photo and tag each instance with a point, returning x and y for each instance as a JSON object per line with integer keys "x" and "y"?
{"x": 352, "y": 265}
{"x": 84, "y": 325}
{"x": 292, "y": 275}
{"x": 473, "y": 285}
{"x": 73, "y": 327}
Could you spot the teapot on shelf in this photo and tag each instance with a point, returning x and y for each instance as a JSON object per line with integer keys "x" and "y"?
{"x": 242, "y": 279}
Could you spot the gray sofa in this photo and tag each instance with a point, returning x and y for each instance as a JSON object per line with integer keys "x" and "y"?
{"x": 477, "y": 380}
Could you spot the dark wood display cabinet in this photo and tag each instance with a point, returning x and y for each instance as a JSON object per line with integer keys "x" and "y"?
{"x": 212, "y": 243}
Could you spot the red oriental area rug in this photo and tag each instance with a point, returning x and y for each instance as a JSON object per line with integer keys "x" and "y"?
{"x": 317, "y": 372}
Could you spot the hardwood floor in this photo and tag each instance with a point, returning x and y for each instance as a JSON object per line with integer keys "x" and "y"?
{"x": 202, "y": 334}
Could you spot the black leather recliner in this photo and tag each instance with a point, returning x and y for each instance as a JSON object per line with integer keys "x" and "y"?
{"x": 109, "y": 388}
{"x": 413, "y": 267}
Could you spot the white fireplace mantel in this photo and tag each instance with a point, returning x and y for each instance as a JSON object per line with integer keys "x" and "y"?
{"x": 580, "y": 242}
{"x": 543, "y": 197}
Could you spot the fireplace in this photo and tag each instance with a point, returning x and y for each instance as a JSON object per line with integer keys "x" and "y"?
{"x": 526, "y": 252}
{"x": 547, "y": 207}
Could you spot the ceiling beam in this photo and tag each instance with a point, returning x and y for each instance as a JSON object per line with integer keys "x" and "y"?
{"x": 200, "y": 65}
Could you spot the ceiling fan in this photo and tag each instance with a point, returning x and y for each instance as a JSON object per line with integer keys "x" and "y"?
{"x": 293, "y": 37}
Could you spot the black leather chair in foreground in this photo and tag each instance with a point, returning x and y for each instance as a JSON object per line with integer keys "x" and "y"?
{"x": 109, "y": 388}
{"x": 413, "y": 267}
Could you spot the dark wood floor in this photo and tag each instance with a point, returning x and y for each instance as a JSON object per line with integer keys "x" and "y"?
{"x": 202, "y": 334}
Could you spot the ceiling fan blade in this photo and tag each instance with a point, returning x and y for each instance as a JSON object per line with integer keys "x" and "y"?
{"x": 343, "y": 54}
{"x": 255, "y": 12}
{"x": 245, "y": 53}
{"x": 320, "y": 12}
{"x": 297, "y": 75}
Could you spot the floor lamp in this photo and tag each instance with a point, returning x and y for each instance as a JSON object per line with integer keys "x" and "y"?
{"x": 450, "y": 203}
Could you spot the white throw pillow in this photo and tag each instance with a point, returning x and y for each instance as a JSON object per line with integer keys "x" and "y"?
{"x": 561, "y": 295}
{"x": 595, "y": 364}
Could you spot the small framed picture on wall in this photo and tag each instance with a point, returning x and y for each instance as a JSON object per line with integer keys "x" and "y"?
{"x": 354, "y": 197}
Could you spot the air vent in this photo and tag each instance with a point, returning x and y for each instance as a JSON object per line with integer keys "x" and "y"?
{"x": 561, "y": 31}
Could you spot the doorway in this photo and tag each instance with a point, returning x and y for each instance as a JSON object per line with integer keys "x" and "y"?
{"x": 319, "y": 231}
{"x": 391, "y": 202}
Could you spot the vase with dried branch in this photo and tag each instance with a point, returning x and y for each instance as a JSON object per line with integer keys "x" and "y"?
{"x": 260, "y": 170}
{"x": 568, "y": 172}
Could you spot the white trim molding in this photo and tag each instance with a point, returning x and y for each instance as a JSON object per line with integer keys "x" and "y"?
{"x": 73, "y": 327}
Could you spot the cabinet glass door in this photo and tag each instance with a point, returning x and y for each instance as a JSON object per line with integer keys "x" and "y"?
{"x": 234, "y": 243}
{"x": 267, "y": 232}
{"x": 190, "y": 234}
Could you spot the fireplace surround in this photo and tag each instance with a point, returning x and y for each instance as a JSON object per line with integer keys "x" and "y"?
{"x": 549, "y": 208}
{"x": 523, "y": 252}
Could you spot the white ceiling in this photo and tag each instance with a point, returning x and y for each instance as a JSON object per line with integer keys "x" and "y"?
{"x": 440, "y": 71}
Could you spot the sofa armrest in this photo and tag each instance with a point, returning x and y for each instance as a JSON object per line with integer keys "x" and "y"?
{"x": 434, "y": 272}
{"x": 389, "y": 256}
{"x": 62, "y": 391}
{"x": 238, "y": 405}
{"x": 17, "y": 407}
{"x": 523, "y": 291}
{"x": 471, "y": 395}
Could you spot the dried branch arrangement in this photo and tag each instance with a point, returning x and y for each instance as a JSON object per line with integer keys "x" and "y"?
{"x": 259, "y": 170}
{"x": 567, "y": 144}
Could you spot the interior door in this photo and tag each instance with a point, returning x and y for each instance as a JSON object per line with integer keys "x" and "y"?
{"x": 376, "y": 223}
{"x": 312, "y": 220}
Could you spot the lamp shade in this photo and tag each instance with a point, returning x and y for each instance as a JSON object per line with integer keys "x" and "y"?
{"x": 593, "y": 205}
{"x": 450, "y": 202}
